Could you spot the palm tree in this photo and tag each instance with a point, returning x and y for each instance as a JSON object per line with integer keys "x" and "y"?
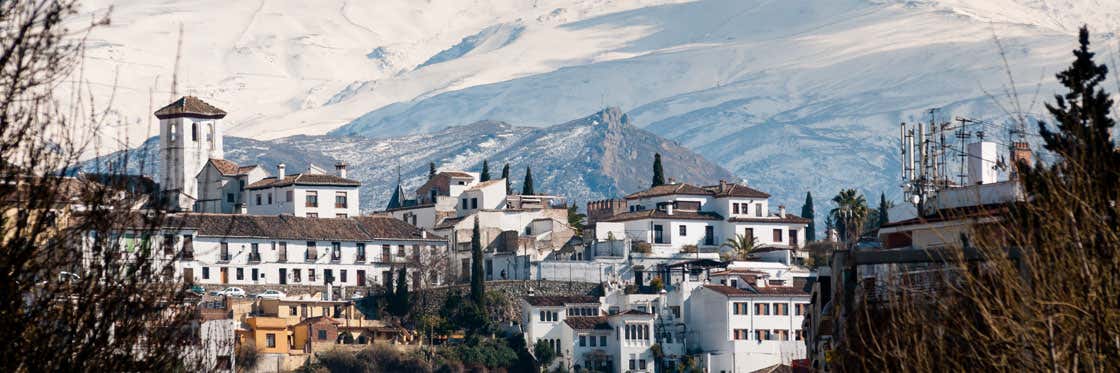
{"x": 742, "y": 245}
{"x": 850, "y": 214}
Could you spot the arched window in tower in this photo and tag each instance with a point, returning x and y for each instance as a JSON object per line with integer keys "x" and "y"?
{"x": 210, "y": 134}
{"x": 194, "y": 131}
{"x": 174, "y": 132}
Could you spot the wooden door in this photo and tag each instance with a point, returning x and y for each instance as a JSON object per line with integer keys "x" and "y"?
{"x": 188, "y": 276}
{"x": 225, "y": 275}
{"x": 361, "y": 277}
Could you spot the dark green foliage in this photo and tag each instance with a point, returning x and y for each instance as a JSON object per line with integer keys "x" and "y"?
{"x": 808, "y": 213}
{"x": 575, "y": 218}
{"x": 485, "y": 176}
{"x": 505, "y": 175}
{"x": 431, "y": 170}
{"x": 544, "y": 352}
{"x": 883, "y": 207}
{"x": 374, "y": 359}
{"x": 527, "y": 186}
{"x": 658, "y": 171}
{"x": 488, "y": 352}
{"x": 478, "y": 287}
{"x": 400, "y": 302}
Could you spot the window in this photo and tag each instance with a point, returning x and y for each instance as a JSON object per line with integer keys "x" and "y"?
{"x": 758, "y": 210}
{"x": 270, "y": 339}
{"x": 241, "y": 185}
{"x": 739, "y": 308}
{"x": 542, "y": 316}
{"x": 270, "y": 198}
{"x": 642, "y": 364}
{"x": 474, "y": 203}
{"x": 594, "y": 341}
{"x": 709, "y": 235}
{"x": 336, "y": 251}
{"x": 296, "y": 274}
{"x": 342, "y": 275}
{"x": 283, "y": 254}
{"x": 777, "y": 235}
{"x": 361, "y": 252}
{"x": 224, "y": 251}
{"x": 293, "y": 311}
{"x": 799, "y": 334}
{"x": 240, "y": 273}
{"x": 793, "y": 237}
{"x": 229, "y": 197}
{"x": 633, "y": 364}
{"x": 800, "y": 309}
{"x": 763, "y": 335}
{"x": 205, "y": 273}
{"x": 602, "y": 341}
{"x": 465, "y": 206}
{"x": 322, "y": 335}
{"x": 781, "y": 335}
{"x": 740, "y": 334}
{"x": 416, "y": 252}
{"x": 311, "y": 253}
{"x": 194, "y": 131}
{"x": 254, "y": 252}
{"x": 288, "y": 196}
{"x": 174, "y": 132}
{"x": 255, "y": 274}
{"x": 312, "y": 199}
{"x": 735, "y": 208}
{"x": 658, "y": 235}
{"x": 339, "y": 200}
{"x": 781, "y": 309}
{"x": 311, "y": 274}
{"x": 748, "y": 233}
{"x": 258, "y": 199}
{"x": 761, "y": 309}
{"x": 583, "y": 341}
{"x": 683, "y": 230}
{"x": 400, "y": 250}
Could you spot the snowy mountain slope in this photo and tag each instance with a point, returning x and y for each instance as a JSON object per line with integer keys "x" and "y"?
{"x": 596, "y": 157}
{"x": 792, "y": 94}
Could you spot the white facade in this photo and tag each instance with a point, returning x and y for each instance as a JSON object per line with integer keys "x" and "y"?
{"x": 310, "y": 194}
{"x": 223, "y": 192}
{"x": 741, "y": 331}
{"x": 186, "y": 144}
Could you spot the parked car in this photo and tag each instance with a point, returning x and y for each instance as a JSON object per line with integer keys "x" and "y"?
{"x": 198, "y": 289}
{"x": 271, "y": 294}
{"x": 230, "y": 292}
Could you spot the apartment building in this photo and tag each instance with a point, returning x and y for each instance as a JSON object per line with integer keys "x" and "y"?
{"x": 312, "y": 193}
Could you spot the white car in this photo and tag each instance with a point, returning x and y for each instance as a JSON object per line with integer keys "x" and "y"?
{"x": 230, "y": 291}
{"x": 271, "y": 294}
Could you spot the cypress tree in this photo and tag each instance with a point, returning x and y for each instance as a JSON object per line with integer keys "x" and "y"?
{"x": 658, "y": 172}
{"x": 883, "y": 207}
{"x": 431, "y": 170}
{"x": 478, "y": 288}
{"x": 527, "y": 186}
{"x": 808, "y": 213}
{"x": 402, "y": 304}
{"x": 485, "y": 171}
{"x": 505, "y": 175}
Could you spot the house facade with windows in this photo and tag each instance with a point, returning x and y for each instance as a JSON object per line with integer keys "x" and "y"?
{"x": 672, "y": 217}
{"x": 313, "y": 194}
{"x": 221, "y": 186}
{"x": 278, "y": 250}
{"x": 744, "y": 330}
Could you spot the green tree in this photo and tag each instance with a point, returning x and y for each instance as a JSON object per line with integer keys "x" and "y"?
{"x": 505, "y": 175}
{"x": 658, "y": 171}
{"x": 478, "y": 287}
{"x": 485, "y": 176}
{"x": 575, "y": 218}
{"x": 808, "y": 213}
{"x": 742, "y": 245}
{"x": 544, "y": 353}
{"x": 849, "y": 214}
{"x": 431, "y": 170}
{"x": 401, "y": 304}
{"x": 527, "y": 186}
{"x": 884, "y": 205}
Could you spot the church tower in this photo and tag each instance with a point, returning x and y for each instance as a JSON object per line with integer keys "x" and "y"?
{"x": 189, "y": 135}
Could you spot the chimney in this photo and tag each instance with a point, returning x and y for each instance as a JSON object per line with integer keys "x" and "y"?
{"x": 722, "y": 184}
{"x": 669, "y": 208}
{"x": 280, "y": 171}
{"x": 340, "y": 168}
{"x": 1020, "y": 153}
{"x": 782, "y": 211}
{"x": 672, "y": 180}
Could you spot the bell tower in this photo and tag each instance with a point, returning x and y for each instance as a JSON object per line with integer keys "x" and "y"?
{"x": 189, "y": 135}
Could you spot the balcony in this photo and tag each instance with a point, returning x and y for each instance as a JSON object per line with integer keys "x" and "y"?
{"x": 361, "y": 258}
{"x": 283, "y": 258}
{"x": 224, "y": 257}
{"x": 254, "y": 257}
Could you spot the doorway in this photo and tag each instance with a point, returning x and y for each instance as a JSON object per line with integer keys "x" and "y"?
{"x": 283, "y": 276}
{"x": 225, "y": 275}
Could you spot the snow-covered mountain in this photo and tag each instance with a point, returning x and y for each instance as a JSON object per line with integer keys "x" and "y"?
{"x": 792, "y": 95}
{"x": 596, "y": 157}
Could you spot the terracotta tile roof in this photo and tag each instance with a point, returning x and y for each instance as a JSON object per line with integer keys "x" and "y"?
{"x": 449, "y": 222}
{"x": 245, "y": 169}
{"x": 658, "y": 214}
{"x": 670, "y": 189}
{"x": 190, "y": 107}
{"x": 362, "y": 228}
{"x": 560, "y": 300}
{"x": 736, "y": 190}
{"x": 457, "y": 174}
{"x": 790, "y": 218}
{"x": 727, "y": 290}
{"x": 304, "y": 179}
{"x": 588, "y": 323}
{"x": 487, "y": 183}
{"x": 633, "y": 312}
{"x": 228, "y": 168}
{"x": 781, "y": 290}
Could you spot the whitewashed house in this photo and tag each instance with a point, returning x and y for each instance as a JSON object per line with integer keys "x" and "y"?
{"x": 672, "y": 217}
{"x": 313, "y": 194}
{"x": 221, "y": 186}
{"x": 542, "y": 316}
{"x": 744, "y": 330}
{"x": 276, "y": 250}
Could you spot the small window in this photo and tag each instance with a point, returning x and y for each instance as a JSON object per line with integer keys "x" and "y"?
{"x": 322, "y": 335}
{"x": 288, "y": 196}
{"x": 270, "y": 198}
{"x": 735, "y": 208}
{"x": 583, "y": 341}
{"x": 340, "y": 200}
{"x": 602, "y": 341}
{"x": 474, "y": 203}
{"x": 312, "y": 199}
{"x": 465, "y": 205}
{"x": 240, "y": 273}
{"x": 258, "y": 199}
{"x": 205, "y": 273}
{"x": 241, "y": 185}
{"x": 194, "y": 131}
{"x": 270, "y": 339}
{"x": 293, "y": 311}
{"x": 229, "y": 197}
{"x": 683, "y": 230}
{"x": 777, "y": 235}
{"x": 758, "y": 210}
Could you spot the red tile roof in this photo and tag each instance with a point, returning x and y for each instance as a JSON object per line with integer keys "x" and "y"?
{"x": 670, "y": 189}
{"x": 304, "y": 179}
{"x": 736, "y": 190}
{"x": 190, "y": 107}
{"x": 757, "y": 291}
{"x": 228, "y": 168}
{"x": 727, "y": 290}
{"x": 588, "y": 323}
{"x": 361, "y": 228}
{"x": 790, "y": 218}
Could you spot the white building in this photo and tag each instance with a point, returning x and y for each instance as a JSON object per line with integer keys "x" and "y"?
{"x": 746, "y": 330}
{"x": 277, "y": 250}
{"x": 190, "y": 135}
{"x": 221, "y": 186}
{"x": 672, "y": 217}
{"x": 312, "y": 194}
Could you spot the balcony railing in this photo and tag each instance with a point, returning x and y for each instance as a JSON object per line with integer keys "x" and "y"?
{"x": 225, "y": 257}
{"x": 361, "y": 258}
{"x": 254, "y": 257}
